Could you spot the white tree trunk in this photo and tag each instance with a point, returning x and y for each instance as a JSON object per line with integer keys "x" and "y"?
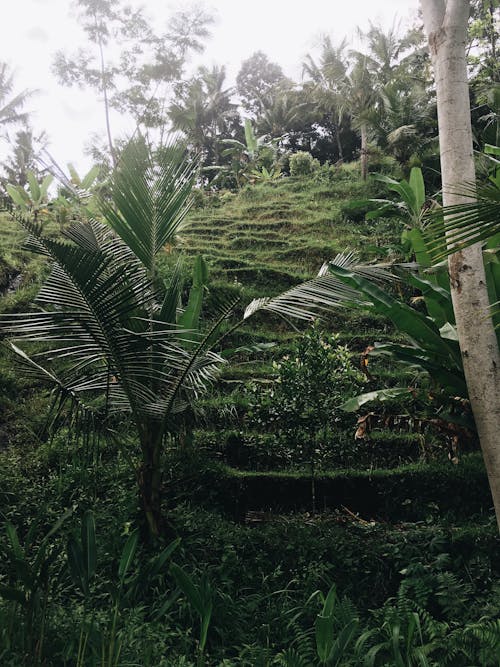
{"x": 446, "y": 27}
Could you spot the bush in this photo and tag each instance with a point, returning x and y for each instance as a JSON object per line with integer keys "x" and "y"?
{"x": 303, "y": 406}
{"x": 303, "y": 164}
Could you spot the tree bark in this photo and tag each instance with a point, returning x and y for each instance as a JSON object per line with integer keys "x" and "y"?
{"x": 446, "y": 27}
{"x": 336, "y": 128}
{"x": 364, "y": 152}
{"x": 150, "y": 481}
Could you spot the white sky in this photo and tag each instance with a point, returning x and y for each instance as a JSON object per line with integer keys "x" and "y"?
{"x": 31, "y": 31}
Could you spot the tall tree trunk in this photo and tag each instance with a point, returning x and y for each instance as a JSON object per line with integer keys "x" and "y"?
{"x": 364, "y": 152}
{"x": 104, "y": 86}
{"x": 150, "y": 480}
{"x": 336, "y": 127}
{"x": 446, "y": 27}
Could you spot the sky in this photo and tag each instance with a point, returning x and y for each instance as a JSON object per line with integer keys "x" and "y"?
{"x": 31, "y": 31}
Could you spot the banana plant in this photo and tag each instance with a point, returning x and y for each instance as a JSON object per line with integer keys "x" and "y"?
{"x": 430, "y": 346}
{"x": 35, "y": 198}
{"x": 244, "y": 156}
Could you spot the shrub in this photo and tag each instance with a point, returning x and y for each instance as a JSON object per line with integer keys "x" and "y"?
{"x": 303, "y": 405}
{"x": 303, "y": 164}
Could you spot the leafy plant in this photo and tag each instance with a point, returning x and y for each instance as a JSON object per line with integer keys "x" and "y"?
{"x": 30, "y": 583}
{"x": 126, "y": 590}
{"x": 200, "y": 599}
{"x": 303, "y": 164}
{"x": 303, "y": 405}
{"x": 34, "y": 199}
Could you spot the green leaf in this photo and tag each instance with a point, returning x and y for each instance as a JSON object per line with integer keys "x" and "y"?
{"x": 492, "y": 150}
{"x": 159, "y": 561}
{"x": 191, "y": 317}
{"x": 44, "y": 188}
{"x": 128, "y": 555}
{"x": 34, "y": 187}
{"x": 324, "y": 627}
{"x": 75, "y": 178}
{"x": 381, "y": 395}
{"x": 18, "y": 195}
{"x": 149, "y": 202}
{"x": 185, "y": 583}
{"x": 418, "y": 187}
{"x": 76, "y": 565}
{"x": 89, "y": 544}
{"x": 14, "y": 541}
{"x": 90, "y": 177}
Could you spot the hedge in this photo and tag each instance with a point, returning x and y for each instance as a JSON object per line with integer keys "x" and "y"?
{"x": 409, "y": 493}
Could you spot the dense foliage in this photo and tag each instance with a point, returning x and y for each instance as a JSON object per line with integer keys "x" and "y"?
{"x": 187, "y": 482}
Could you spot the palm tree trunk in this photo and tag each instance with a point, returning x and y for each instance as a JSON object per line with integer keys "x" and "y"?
{"x": 150, "y": 480}
{"x": 336, "y": 128}
{"x": 446, "y": 27}
{"x": 364, "y": 152}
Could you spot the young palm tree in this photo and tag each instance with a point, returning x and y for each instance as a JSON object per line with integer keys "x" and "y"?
{"x": 111, "y": 336}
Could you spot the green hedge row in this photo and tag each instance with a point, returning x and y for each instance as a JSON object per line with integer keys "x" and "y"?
{"x": 409, "y": 493}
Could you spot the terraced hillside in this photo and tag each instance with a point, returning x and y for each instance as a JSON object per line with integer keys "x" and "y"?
{"x": 258, "y": 242}
{"x": 261, "y": 241}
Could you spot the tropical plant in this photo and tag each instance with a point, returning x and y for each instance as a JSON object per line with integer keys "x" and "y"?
{"x": 303, "y": 164}
{"x": 204, "y": 112}
{"x": 328, "y": 77}
{"x": 127, "y": 344}
{"x": 127, "y": 589}
{"x": 244, "y": 156}
{"x": 303, "y": 405}
{"x": 33, "y": 199}
{"x": 11, "y": 107}
{"x": 470, "y": 222}
{"x": 30, "y": 583}
{"x": 469, "y": 290}
{"x": 200, "y": 599}
{"x": 26, "y": 148}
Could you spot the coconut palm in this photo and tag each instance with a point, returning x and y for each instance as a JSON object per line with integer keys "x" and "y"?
{"x": 329, "y": 77}
{"x": 204, "y": 112}
{"x": 112, "y": 337}
{"x": 11, "y": 108}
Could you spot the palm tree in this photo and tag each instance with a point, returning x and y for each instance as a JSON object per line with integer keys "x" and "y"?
{"x": 360, "y": 96}
{"x": 204, "y": 112}
{"x": 343, "y": 88}
{"x": 384, "y": 49}
{"x": 328, "y": 77}
{"x": 11, "y": 107}
{"x": 113, "y": 337}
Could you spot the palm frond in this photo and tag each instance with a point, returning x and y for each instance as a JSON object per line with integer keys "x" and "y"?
{"x": 457, "y": 227}
{"x": 149, "y": 202}
{"x": 313, "y": 298}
